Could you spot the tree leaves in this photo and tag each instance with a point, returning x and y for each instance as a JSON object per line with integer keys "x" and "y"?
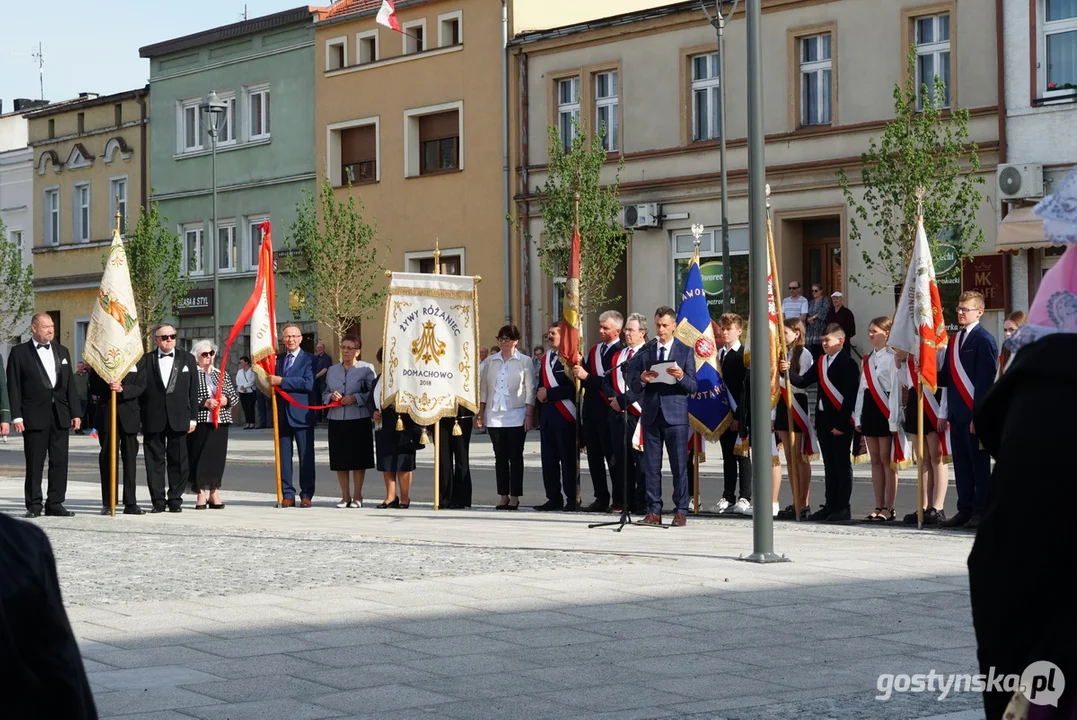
{"x": 16, "y": 289}
{"x": 155, "y": 258}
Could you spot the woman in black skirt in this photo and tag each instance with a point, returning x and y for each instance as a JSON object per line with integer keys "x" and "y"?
{"x": 936, "y": 453}
{"x": 207, "y": 446}
{"x": 351, "y": 430}
{"x": 395, "y": 450}
{"x": 800, "y": 361}
{"x": 876, "y": 424}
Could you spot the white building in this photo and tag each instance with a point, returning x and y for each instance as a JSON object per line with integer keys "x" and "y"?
{"x": 1040, "y": 142}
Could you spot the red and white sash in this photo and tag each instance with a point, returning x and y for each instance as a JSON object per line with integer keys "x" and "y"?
{"x": 809, "y": 443}
{"x": 598, "y": 369}
{"x": 958, "y": 376}
{"x": 832, "y": 394}
{"x": 621, "y": 387}
{"x": 932, "y": 411}
{"x": 899, "y": 446}
{"x": 567, "y": 408}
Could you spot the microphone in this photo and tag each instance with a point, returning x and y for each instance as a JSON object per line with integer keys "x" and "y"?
{"x": 649, "y": 344}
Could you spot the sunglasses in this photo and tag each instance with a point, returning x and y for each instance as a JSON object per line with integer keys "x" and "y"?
{"x": 209, "y": 353}
{"x": 166, "y": 337}
{"x": 794, "y": 287}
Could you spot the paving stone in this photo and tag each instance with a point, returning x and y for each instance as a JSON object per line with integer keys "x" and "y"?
{"x": 278, "y": 709}
{"x": 146, "y": 678}
{"x": 124, "y": 702}
{"x": 265, "y": 687}
{"x": 387, "y": 697}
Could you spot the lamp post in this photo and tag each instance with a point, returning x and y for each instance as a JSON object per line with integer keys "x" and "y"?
{"x": 214, "y": 109}
{"x": 719, "y": 21}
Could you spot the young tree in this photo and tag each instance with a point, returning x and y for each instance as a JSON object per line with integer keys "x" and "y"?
{"x": 337, "y": 266}
{"x": 16, "y": 289}
{"x": 919, "y": 149}
{"x": 602, "y": 239}
{"x": 155, "y": 257}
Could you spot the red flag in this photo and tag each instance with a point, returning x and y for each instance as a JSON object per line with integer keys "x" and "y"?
{"x": 570, "y": 314}
{"x": 387, "y": 15}
{"x": 919, "y": 328}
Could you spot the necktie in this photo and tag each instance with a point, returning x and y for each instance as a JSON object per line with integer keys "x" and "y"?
{"x": 288, "y": 362}
{"x": 661, "y": 354}
{"x": 631, "y": 352}
{"x": 960, "y": 340}
{"x": 721, "y": 357}
{"x": 44, "y": 346}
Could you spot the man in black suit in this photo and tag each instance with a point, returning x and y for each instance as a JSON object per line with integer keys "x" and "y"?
{"x": 46, "y": 406}
{"x": 128, "y": 421}
{"x": 169, "y": 412}
{"x": 734, "y": 467}
{"x": 839, "y": 380}
{"x": 592, "y": 373}
{"x": 626, "y": 409}
{"x": 556, "y": 396}
{"x": 454, "y": 452}
{"x": 968, "y": 373}
{"x": 43, "y": 668}
{"x": 664, "y": 413}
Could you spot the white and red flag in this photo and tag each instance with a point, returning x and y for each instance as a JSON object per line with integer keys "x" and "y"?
{"x": 387, "y": 15}
{"x": 919, "y": 328}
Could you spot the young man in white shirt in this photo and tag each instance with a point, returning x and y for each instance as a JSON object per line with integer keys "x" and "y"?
{"x": 796, "y": 305}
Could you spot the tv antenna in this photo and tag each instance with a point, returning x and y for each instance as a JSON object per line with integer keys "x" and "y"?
{"x": 40, "y": 58}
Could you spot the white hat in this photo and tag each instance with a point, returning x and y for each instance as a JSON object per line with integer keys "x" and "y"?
{"x": 836, "y": 294}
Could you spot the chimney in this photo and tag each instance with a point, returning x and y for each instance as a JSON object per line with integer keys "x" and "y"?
{"x": 88, "y": 96}
{"x": 25, "y": 104}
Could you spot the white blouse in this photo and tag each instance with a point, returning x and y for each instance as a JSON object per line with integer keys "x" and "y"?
{"x": 884, "y": 372}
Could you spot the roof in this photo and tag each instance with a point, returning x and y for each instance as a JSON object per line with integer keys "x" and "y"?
{"x": 345, "y": 8}
{"x": 225, "y": 32}
{"x": 611, "y": 21}
{"x": 80, "y": 103}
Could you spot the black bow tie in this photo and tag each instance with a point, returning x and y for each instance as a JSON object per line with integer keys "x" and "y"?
{"x": 164, "y": 355}
{"x": 45, "y": 346}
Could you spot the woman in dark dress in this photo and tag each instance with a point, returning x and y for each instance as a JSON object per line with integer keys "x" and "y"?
{"x": 207, "y": 446}
{"x": 351, "y": 430}
{"x": 395, "y": 450}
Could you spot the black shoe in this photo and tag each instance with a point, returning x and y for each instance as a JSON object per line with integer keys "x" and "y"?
{"x": 839, "y": 516}
{"x": 570, "y": 507}
{"x": 820, "y": 515}
{"x": 58, "y": 511}
{"x": 958, "y": 520}
{"x": 394, "y": 504}
{"x": 788, "y": 514}
{"x": 934, "y": 517}
{"x": 32, "y": 514}
{"x": 158, "y": 509}
{"x": 175, "y": 509}
{"x": 106, "y": 511}
{"x": 548, "y": 506}
{"x": 912, "y": 518}
{"x": 974, "y": 521}
{"x": 455, "y": 506}
{"x": 133, "y": 510}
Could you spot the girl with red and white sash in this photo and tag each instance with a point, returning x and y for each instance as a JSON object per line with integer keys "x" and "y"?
{"x": 800, "y": 362}
{"x": 936, "y": 445}
{"x": 877, "y": 416}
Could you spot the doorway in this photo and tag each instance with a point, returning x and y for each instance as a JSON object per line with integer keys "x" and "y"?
{"x": 822, "y": 254}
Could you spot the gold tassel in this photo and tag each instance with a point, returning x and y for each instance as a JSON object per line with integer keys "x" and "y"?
{"x": 424, "y": 439}
{"x": 399, "y": 424}
{"x": 456, "y": 431}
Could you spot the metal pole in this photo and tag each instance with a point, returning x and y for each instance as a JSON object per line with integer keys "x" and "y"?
{"x": 762, "y": 520}
{"x": 213, "y": 246}
{"x": 727, "y": 271}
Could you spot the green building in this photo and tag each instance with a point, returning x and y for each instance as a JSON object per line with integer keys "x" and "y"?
{"x": 262, "y": 71}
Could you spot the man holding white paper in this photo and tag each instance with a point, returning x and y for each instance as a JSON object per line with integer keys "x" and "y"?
{"x": 665, "y": 375}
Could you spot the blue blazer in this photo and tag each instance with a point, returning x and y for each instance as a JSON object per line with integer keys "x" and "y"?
{"x": 672, "y": 400}
{"x": 979, "y": 357}
{"x": 565, "y": 390}
{"x": 299, "y": 383}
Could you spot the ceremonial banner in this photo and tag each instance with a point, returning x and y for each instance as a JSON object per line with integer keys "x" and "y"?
{"x": 431, "y": 363}
{"x": 570, "y": 314}
{"x": 708, "y": 408}
{"x": 261, "y": 314}
{"x": 113, "y": 339}
{"x": 919, "y": 328}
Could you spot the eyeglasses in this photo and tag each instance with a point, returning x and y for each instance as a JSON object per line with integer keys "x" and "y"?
{"x": 968, "y": 309}
{"x": 348, "y": 348}
{"x": 209, "y": 353}
{"x": 166, "y": 337}
{"x": 293, "y": 337}
{"x": 504, "y": 339}
{"x": 816, "y": 290}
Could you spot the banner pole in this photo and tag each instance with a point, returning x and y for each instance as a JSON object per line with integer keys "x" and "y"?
{"x": 920, "y": 454}
{"x": 112, "y": 454}
{"x": 276, "y": 450}
{"x": 437, "y": 463}
{"x": 695, "y": 469}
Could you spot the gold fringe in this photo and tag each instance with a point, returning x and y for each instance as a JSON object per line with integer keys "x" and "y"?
{"x": 903, "y": 465}
{"x": 810, "y": 458}
{"x": 456, "y": 431}
{"x": 775, "y": 461}
{"x": 424, "y": 439}
{"x": 861, "y": 459}
{"x": 399, "y": 423}
{"x": 947, "y": 459}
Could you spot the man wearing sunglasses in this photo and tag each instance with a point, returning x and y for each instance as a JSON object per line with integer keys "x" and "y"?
{"x": 169, "y": 412}
{"x": 796, "y": 305}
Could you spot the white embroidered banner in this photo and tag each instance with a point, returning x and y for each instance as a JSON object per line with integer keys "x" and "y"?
{"x": 430, "y": 359}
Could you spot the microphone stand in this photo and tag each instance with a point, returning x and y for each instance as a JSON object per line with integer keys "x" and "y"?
{"x": 626, "y": 515}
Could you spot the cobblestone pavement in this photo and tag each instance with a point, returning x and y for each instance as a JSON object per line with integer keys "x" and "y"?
{"x": 254, "y": 612}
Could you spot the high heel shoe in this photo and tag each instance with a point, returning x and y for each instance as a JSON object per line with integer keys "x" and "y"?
{"x": 394, "y": 504}
{"x": 405, "y": 506}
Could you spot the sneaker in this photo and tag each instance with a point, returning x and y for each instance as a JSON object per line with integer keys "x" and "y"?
{"x": 692, "y": 505}
{"x": 774, "y": 509}
{"x": 743, "y": 507}
{"x": 722, "y": 506}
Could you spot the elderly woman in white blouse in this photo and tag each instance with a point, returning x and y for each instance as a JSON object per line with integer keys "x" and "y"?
{"x": 207, "y": 446}
{"x": 506, "y": 399}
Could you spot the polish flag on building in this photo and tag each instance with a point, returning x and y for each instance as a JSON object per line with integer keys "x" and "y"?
{"x": 387, "y": 15}
{"x": 919, "y": 328}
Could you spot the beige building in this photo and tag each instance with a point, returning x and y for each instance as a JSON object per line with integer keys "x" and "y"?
{"x": 828, "y": 74}
{"x": 89, "y": 163}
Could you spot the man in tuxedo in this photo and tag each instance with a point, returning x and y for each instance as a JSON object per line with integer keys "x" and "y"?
{"x": 969, "y": 372}
{"x": 731, "y": 362}
{"x": 295, "y": 376}
{"x": 592, "y": 373}
{"x": 665, "y": 414}
{"x": 128, "y": 421}
{"x": 46, "y": 406}
{"x": 42, "y": 665}
{"x": 839, "y": 381}
{"x": 556, "y": 396}
{"x": 626, "y": 410}
{"x": 169, "y": 406}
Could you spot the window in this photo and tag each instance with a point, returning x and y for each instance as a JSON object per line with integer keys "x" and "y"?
{"x": 118, "y": 201}
{"x": 568, "y": 110}
{"x": 190, "y": 139}
{"x": 254, "y": 233}
{"x": 449, "y": 29}
{"x": 367, "y": 47}
{"x": 16, "y": 239}
{"x": 606, "y": 99}
{"x": 258, "y": 112}
{"x": 706, "y": 99}
{"x": 932, "y": 57}
{"x": 358, "y": 154}
{"x": 439, "y": 139}
{"x": 226, "y": 132}
{"x": 1058, "y": 47}
{"x": 194, "y": 250}
{"x": 52, "y": 128}
{"x": 414, "y": 36}
{"x": 82, "y": 213}
{"x": 336, "y": 54}
{"x": 815, "y": 74}
{"x": 81, "y": 122}
{"x": 422, "y": 261}
{"x": 117, "y": 111}
{"x": 710, "y": 265}
{"x": 52, "y": 216}
{"x": 450, "y": 264}
{"x": 227, "y": 249}
{"x": 82, "y": 329}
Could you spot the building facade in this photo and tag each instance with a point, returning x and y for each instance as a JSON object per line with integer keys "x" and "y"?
{"x": 1040, "y": 81}
{"x": 261, "y": 69}
{"x": 828, "y": 69}
{"x": 16, "y": 186}
{"x": 89, "y": 162}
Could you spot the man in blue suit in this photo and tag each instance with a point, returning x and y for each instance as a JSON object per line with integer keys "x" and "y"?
{"x": 969, "y": 372}
{"x": 665, "y": 414}
{"x": 557, "y": 427}
{"x": 295, "y": 376}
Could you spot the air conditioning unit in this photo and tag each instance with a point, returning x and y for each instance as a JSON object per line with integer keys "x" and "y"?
{"x": 645, "y": 215}
{"x": 1016, "y": 182}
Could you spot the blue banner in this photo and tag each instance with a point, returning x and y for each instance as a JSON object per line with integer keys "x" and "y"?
{"x": 708, "y": 409}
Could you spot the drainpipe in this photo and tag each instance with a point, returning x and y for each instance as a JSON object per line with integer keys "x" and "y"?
{"x": 505, "y": 156}
{"x": 143, "y": 159}
{"x": 524, "y": 214}
{"x": 1000, "y": 69}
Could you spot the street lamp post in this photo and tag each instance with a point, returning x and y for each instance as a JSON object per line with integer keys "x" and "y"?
{"x": 215, "y": 109}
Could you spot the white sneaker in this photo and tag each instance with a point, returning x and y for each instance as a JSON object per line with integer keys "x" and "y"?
{"x": 722, "y": 506}
{"x": 692, "y": 505}
{"x": 775, "y": 509}
{"x": 743, "y": 507}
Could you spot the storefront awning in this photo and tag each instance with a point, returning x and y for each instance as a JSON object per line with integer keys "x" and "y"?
{"x": 1021, "y": 229}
